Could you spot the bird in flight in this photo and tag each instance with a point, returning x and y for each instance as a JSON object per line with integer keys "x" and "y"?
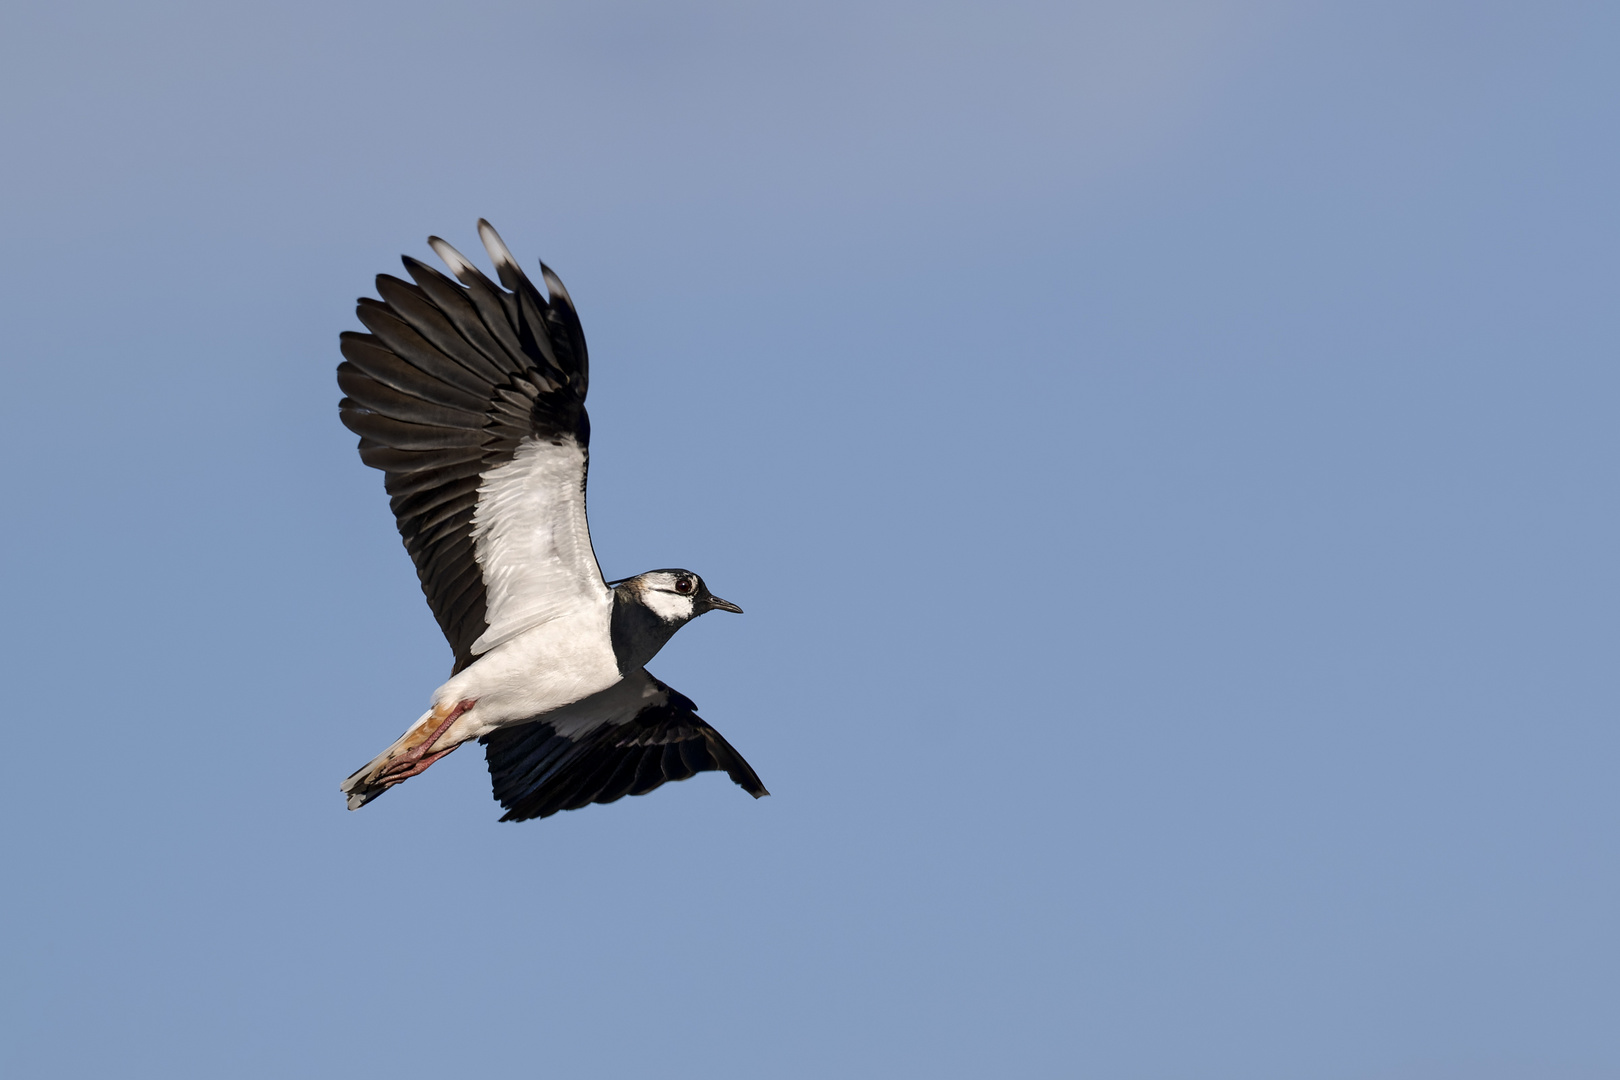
{"x": 470, "y": 397}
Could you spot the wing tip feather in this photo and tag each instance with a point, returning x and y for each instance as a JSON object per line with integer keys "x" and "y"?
{"x": 457, "y": 262}
{"x": 499, "y": 253}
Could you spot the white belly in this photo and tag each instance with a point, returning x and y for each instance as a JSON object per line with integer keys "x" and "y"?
{"x": 544, "y": 668}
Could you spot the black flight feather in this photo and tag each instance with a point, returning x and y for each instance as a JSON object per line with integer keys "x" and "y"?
{"x": 450, "y": 380}
{"x": 537, "y": 772}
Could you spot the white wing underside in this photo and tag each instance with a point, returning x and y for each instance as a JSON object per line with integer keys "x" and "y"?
{"x": 618, "y": 704}
{"x": 532, "y": 541}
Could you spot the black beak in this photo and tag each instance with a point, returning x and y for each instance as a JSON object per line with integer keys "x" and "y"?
{"x": 724, "y": 605}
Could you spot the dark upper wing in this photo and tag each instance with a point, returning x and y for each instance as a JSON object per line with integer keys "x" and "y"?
{"x": 471, "y": 399}
{"x": 624, "y": 741}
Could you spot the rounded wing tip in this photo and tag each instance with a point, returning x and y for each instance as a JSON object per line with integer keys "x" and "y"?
{"x": 554, "y": 285}
{"x": 494, "y": 244}
{"x": 455, "y": 260}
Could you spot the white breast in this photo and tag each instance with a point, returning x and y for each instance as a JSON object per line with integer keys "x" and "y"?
{"x": 557, "y": 663}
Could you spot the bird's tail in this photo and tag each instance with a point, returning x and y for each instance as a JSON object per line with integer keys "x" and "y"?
{"x": 411, "y": 753}
{"x": 366, "y": 782}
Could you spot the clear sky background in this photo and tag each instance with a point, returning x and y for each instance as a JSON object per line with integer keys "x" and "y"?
{"x": 1167, "y": 453}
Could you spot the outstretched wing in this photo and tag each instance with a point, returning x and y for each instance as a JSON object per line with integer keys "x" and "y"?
{"x": 627, "y": 740}
{"x": 471, "y": 399}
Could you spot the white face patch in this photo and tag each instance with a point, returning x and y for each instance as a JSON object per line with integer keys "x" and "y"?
{"x": 659, "y": 595}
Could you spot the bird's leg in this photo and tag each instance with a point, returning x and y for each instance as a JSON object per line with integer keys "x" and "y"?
{"x": 418, "y": 759}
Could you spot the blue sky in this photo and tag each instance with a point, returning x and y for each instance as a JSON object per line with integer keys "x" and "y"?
{"x": 1166, "y": 453}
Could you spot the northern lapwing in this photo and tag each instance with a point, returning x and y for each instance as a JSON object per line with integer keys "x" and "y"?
{"x": 470, "y": 397}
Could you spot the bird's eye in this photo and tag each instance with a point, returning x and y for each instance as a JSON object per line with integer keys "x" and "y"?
{"x": 683, "y": 585}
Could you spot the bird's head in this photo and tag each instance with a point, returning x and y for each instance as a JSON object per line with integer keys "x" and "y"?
{"x": 675, "y": 596}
